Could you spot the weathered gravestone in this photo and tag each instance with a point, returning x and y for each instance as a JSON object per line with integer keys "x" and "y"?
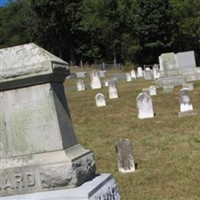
{"x": 38, "y": 148}
{"x": 102, "y": 73}
{"x": 152, "y": 90}
{"x": 170, "y": 73}
{"x": 95, "y": 80}
{"x": 186, "y": 107}
{"x": 100, "y": 100}
{"x": 112, "y": 89}
{"x": 80, "y": 85}
{"x": 156, "y": 73}
{"x": 139, "y": 72}
{"x": 106, "y": 82}
{"x": 148, "y": 75}
{"x": 128, "y": 77}
{"x": 145, "y": 106}
{"x": 124, "y": 154}
{"x": 133, "y": 74}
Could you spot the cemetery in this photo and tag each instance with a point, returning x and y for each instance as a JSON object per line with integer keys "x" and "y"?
{"x": 166, "y": 147}
{"x": 59, "y": 143}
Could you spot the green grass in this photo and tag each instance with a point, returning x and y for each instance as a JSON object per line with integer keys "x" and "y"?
{"x": 166, "y": 147}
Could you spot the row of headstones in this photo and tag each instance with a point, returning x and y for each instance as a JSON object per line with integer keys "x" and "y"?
{"x": 147, "y": 73}
{"x": 145, "y": 105}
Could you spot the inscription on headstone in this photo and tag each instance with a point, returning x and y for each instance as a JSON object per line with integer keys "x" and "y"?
{"x": 124, "y": 154}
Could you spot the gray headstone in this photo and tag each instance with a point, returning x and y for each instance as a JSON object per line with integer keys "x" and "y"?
{"x": 145, "y": 106}
{"x": 119, "y": 76}
{"x": 148, "y": 75}
{"x": 100, "y": 100}
{"x": 38, "y": 147}
{"x": 187, "y": 64}
{"x": 124, "y": 154}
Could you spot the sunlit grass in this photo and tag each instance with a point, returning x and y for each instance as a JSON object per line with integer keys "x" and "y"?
{"x": 166, "y": 147}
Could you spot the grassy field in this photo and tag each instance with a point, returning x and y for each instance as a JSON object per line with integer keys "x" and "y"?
{"x": 166, "y": 147}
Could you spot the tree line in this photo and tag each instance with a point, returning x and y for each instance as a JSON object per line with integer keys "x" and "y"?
{"x": 113, "y": 31}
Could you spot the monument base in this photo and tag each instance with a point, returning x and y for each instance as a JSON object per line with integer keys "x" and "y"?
{"x": 101, "y": 187}
{"x": 168, "y": 81}
{"x": 187, "y": 113}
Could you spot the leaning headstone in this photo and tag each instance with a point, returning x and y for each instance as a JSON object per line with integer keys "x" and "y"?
{"x": 95, "y": 80}
{"x": 112, "y": 89}
{"x": 133, "y": 74}
{"x": 80, "y": 85}
{"x": 186, "y": 107}
{"x": 145, "y": 106}
{"x": 100, "y": 100}
{"x": 124, "y": 154}
{"x": 188, "y": 86}
{"x": 139, "y": 72}
{"x": 152, "y": 91}
{"x": 128, "y": 77}
{"x": 170, "y": 73}
{"x": 39, "y": 150}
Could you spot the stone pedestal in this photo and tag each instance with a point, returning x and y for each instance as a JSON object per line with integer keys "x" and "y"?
{"x": 38, "y": 148}
{"x": 101, "y": 187}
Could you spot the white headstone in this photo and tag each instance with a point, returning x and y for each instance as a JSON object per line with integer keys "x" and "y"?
{"x": 185, "y": 101}
{"x": 102, "y": 73}
{"x": 152, "y": 90}
{"x": 106, "y": 82}
{"x": 156, "y": 73}
{"x": 80, "y": 85}
{"x": 128, "y": 77}
{"x": 148, "y": 75}
{"x": 100, "y": 100}
{"x": 145, "y": 106}
{"x": 133, "y": 74}
{"x": 95, "y": 80}
{"x": 112, "y": 89}
{"x": 139, "y": 72}
{"x": 80, "y": 74}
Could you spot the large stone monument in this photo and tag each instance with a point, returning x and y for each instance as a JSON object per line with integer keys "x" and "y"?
{"x": 187, "y": 64}
{"x": 38, "y": 148}
{"x": 170, "y": 73}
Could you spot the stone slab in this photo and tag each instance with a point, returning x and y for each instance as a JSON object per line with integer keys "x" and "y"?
{"x": 101, "y": 187}
{"x": 175, "y": 81}
{"x": 188, "y": 113}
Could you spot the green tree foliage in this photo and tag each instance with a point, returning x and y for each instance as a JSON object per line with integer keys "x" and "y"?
{"x": 103, "y": 30}
{"x": 186, "y": 14}
{"x": 17, "y": 23}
